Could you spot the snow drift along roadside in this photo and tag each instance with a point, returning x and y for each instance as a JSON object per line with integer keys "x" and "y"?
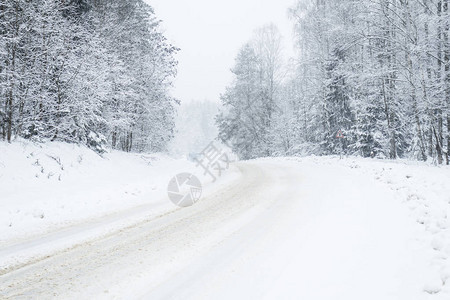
{"x": 50, "y": 186}
{"x": 423, "y": 190}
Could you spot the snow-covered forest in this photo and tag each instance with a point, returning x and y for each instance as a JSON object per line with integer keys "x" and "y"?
{"x": 99, "y": 73}
{"x": 86, "y": 71}
{"x": 376, "y": 71}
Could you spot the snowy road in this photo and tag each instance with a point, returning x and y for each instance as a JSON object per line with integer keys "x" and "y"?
{"x": 284, "y": 230}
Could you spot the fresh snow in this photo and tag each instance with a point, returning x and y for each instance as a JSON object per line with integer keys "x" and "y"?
{"x": 56, "y": 185}
{"x": 341, "y": 229}
{"x": 276, "y": 228}
{"x": 64, "y": 194}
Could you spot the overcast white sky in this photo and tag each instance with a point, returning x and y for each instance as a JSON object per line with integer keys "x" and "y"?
{"x": 210, "y": 33}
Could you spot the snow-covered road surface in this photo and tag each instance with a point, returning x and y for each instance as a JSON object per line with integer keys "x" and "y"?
{"x": 283, "y": 230}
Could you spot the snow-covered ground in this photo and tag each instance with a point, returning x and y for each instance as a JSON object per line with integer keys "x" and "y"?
{"x": 57, "y": 184}
{"x": 399, "y": 194}
{"x": 337, "y": 229}
{"x": 279, "y": 228}
{"x": 66, "y": 194}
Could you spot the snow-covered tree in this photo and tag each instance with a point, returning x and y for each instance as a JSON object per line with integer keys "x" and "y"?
{"x": 71, "y": 70}
{"x": 384, "y": 63}
{"x": 250, "y": 103}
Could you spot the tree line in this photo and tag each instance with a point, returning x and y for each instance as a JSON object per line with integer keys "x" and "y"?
{"x": 377, "y": 71}
{"x": 85, "y": 71}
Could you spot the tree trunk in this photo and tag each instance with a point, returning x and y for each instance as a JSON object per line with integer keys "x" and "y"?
{"x": 9, "y": 119}
{"x": 447, "y": 73}
{"x": 438, "y": 112}
{"x": 12, "y": 78}
{"x": 392, "y": 139}
{"x": 114, "y": 139}
{"x": 130, "y": 141}
{"x": 408, "y": 39}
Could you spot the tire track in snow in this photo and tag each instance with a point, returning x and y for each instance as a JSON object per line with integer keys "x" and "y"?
{"x": 161, "y": 244}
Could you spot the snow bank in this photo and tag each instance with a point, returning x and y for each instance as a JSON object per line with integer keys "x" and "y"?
{"x": 44, "y": 187}
{"x": 423, "y": 190}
